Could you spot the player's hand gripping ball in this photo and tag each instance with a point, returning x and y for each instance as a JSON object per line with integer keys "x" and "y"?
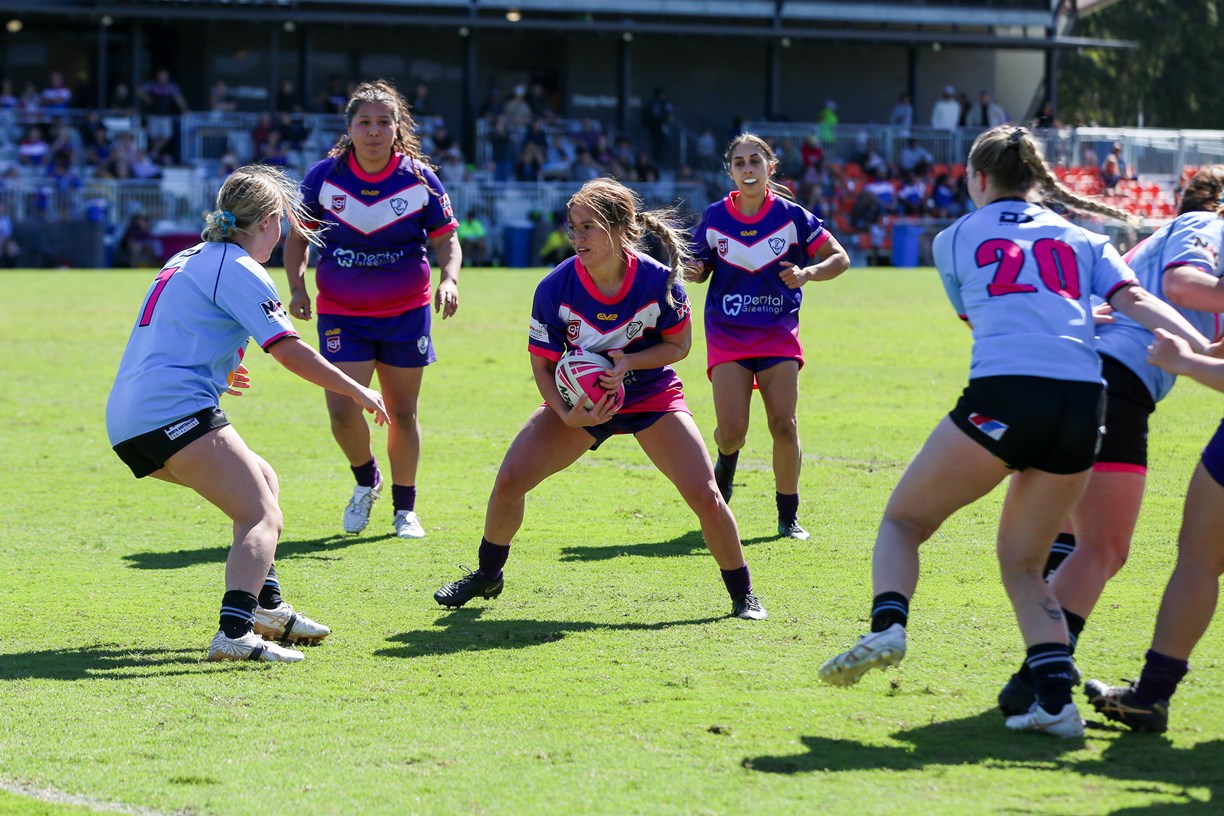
{"x": 578, "y": 373}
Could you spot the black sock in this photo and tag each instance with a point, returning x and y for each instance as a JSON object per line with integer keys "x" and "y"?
{"x": 1160, "y": 677}
{"x": 404, "y": 498}
{"x": 269, "y": 595}
{"x": 367, "y": 474}
{"x": 888, "y": 608}
{"x": 788, "y": 507}
{"x": 1075, "y": 625}
{"x": 492, "y": 558}
{"x": 1050, "y": 664}
{"x": 727, "y": 463}
{"x": 1063, "y": 546}
{"x": 237, "y": 613}
{"x": 737, "y": 581}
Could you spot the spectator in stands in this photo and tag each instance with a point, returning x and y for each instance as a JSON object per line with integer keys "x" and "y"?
{"x": 1114, "y": 169}
{"x": 441, "y": 136}
{"x": 884, "y": 192}
{"x": 915, "y": 158}
{"x": 501, "y": 147}
{"x": 587, "y": 134}
{"x": 98, "y": 151}
{"x": 8, "y": 96}
{"x": 707, "y": 151}
{"x": 162, "y": 101}
{"x": 494, "y": 104}
{"x": 62, "y": 140}
{"x": 220, "y": 100}
{"x": 867, "y": 216}
{"x": 986, "y": 113}
{"x": 473, "y": 239}
{"x": 139, "y": 248}
{"x": 540, "y": 101}
{"x": 946, "y": 113}
{"x": 273, "y": 151}
{"x": 585, "y": 167}
{"x": 144, "y": 167}
{"x": 811, "y": 154}
{"x": 657, "y": 116}
{"x": 287, "y": 98}
{"x": 962, "y": 99}
{"x": 452, "y": 169}
{"x": 912, "y": 196}
{"x": 559, "y": 158}
{"x": 334, "y": 97}
{"x": 293, "y": 130}
{"x": 517, "y": 111}
{"x": 121, "y": 101}
{"x": 943, "y": 202}
{"x": 533, "y": 153}
{"x": 902, "y": 115}
{"x": 556, "y": 247}
{"x": 645, "y": 168}
{"x": 10, "y": 251}
{"x": 31, "y": 101}
{"x": 1045, "y": 119}
{"x": 828, "y": 123}
{"x": 259, "y": 134}
{"x": 873, "y": 163}
{"x": 56, "y": 96}
{"x": 34, "y": 152}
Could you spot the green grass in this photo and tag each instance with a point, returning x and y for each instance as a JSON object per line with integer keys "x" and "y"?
{"x": 606, "y": 679}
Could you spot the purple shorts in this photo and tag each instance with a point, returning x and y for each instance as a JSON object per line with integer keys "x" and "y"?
{"x": 759, "y": 364}
{"x": 629, "y": 423}
{"x": 402, "y": 340}
{"x": 1213, "y": 456}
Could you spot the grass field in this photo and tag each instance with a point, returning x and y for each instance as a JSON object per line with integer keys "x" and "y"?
{"x": 607, "y": 678}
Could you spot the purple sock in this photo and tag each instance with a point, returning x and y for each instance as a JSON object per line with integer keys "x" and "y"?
{"x": 367, "y": 474}
{"x": 738, "y": 581}
{"x": 788, "y": 507}
{"x": 492, "y": 558}
{"x": 404, "y": 498}
{"x": 1160, "y": 677}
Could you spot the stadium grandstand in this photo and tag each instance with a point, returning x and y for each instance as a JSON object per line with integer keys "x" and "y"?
{"x": 111, "y": 109}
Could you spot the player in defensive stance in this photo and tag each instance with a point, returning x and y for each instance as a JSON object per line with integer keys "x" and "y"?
{"x": 1022, "y": 277}
{"x": 755, "y": 246}
{"x": 1179, "y": 263}
{"x": 163, "y": 415}
{"x": 382, "y": 207}
{"x": 1192, "y": 593}
{"x": 614, "y": 299}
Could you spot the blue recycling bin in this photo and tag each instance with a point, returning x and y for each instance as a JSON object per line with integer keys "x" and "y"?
{"x": 906, "y": 239}
{"x": 518, "y": 245}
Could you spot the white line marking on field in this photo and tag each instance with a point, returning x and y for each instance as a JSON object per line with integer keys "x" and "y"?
{"x": 44, "y": 794}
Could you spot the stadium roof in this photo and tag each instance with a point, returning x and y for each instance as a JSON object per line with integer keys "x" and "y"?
{"x": 1025, "y": 24}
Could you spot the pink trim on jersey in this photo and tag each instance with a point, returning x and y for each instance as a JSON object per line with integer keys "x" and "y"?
{"x": 445, "y": 229}
{"x": 1203, "y": 265}
{"x": 329, "y": 307}
{"x": 631, "y": 264}
{"x": 733, "y": 207}
{"x": 1119, "y": 467}
{"x": 1127, "y": 257}
{"x": 818, "y": 241}
{"x": 381, "y": 175}
{"x": 717, "y": 356}
{"x": 670, "y": 401}
{"x": 287, "y": 333}
{"x": 547, "y": 354}
{"x": 679, "y": 327}
{"x": 1131, "y": 282}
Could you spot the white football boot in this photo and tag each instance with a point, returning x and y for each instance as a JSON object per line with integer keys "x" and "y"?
{"x": 250, "y": 647}
{"x": 357, "y": 514}
{"x": 878, "y": 650}
{"x": 1066, "y": 723}
{"x": 282, "y": 623}
{"x": 408, "y": 525}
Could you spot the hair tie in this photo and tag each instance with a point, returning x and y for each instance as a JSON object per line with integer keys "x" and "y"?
{"x": 1014, "y": 138}
{"x": 228, "y": 222}
{"x": 1220, "y": 200}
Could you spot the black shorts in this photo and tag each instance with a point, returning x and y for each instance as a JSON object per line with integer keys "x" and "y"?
{"x": 1051, "y": 425}
{"x": 629, "y": 423}
{"x": 148, "y": 452}
{"x": 1126, "y": 418}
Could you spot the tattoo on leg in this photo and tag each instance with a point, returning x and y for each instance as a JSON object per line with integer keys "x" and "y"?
{"x": 1052, "y": 609}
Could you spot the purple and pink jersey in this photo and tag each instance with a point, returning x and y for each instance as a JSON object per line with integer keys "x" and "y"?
{"x": 374, "y": 262}
{"x": 569, "y": 311}
{"x": 749, "y": 311}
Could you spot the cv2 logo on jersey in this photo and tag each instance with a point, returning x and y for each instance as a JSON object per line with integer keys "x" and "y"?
{"x": 991, "y": 427}
{"x": 723, "y": 246}
{"x": 1015, "y": 218}
{"x": 338, "y": 203}
{"x": 399, "y": 205}
{"x": 777, "y": 245}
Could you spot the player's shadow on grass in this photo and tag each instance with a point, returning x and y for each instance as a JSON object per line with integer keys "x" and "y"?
{"x": 691, "y": 543}
{"x": 1147, "y": 760}
{"x": 101, "y": 662}
{"x": 318, "y": 548}
{"x": 464, "y": 632}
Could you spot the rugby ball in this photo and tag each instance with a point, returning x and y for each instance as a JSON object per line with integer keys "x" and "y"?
{"x": 578, "y": 374}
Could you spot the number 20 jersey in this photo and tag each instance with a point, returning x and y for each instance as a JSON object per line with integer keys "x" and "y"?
{"x": 1024, "y": 278}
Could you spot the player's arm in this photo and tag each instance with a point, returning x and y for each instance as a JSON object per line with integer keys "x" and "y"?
{"x": 1174, "y": 355}
{"x": 674, "y": 348}
{"x": 296, "y": 250}
{"x": 450, "y": 259}
{"x": 834, "y": 260}
{"x": 544, "y": 371}
{"x": 1153, "y": 313}
{"x": 302, "y": 360}
{"x": 1189, "y": 287}
{"x": 697, "y": 272}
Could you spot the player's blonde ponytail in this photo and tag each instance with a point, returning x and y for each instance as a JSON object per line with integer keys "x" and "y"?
{"x": 252, "y": 192}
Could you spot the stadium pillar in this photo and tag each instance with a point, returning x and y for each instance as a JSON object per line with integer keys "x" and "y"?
{"x": 273, "y": 63}
{"x": 100, "y": 92}
{"x": 911, "y": 76}
{"x": 773, "y": 80}
{"x": 1051, "y": 77}
{"x": 470, "y": 95}
{"x": 624, "y": 82}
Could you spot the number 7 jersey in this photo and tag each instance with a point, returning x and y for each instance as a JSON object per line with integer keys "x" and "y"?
{"x": 1024, "y": 278}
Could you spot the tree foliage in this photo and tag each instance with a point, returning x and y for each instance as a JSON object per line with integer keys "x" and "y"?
{"x": 1172, "y": 78}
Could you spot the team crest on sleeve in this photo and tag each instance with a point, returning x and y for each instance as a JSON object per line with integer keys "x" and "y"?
{"x": 572, "y": 329}
{"x": 537, "y": 331}
{"x": 338, "y": 203}
{"x": 723, "y": 247}
{"x": 399, "y": 205}
{"x": 447, "y": 210}
{"x": 682, "y": 309}
{"x": 273, "y": 311}
{"x": 778, "y": 245}
{"x": 991, "y": 427}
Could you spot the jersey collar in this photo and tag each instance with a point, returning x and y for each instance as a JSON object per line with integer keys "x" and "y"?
{"x": 732, "y": 206}
{"x": 631, "y": 265}
{"x": 382, "y": 175}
